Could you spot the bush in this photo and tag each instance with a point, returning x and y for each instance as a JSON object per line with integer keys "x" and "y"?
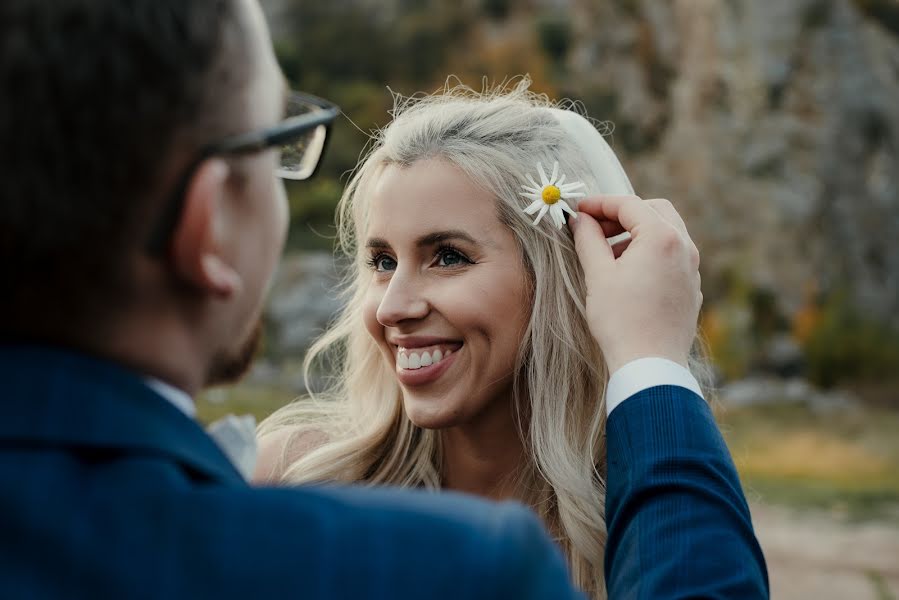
{"x": 726, "y": 328}
{"x": 555, "y": 37}
{"x": 496, "y": 9}
{"x": 312, "y": 207}
{"x": 845, "y": 345}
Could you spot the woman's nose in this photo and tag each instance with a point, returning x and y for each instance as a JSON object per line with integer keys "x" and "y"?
{"x": 402, "y": 301}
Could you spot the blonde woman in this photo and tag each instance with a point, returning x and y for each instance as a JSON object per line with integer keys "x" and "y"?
{"x": 468, "y": 348}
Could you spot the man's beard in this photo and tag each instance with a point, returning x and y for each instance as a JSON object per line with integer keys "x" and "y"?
{"x": 230, "y": 365}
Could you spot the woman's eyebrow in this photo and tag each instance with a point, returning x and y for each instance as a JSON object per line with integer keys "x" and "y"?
{"x": 429, "y": 239}
{"x": 437, "y": 237}
{"x": 377, "y": 243}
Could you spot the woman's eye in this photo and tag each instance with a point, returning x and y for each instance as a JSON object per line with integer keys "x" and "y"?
{"x": 450, "y": 258}
{"x": 383, "y": 263}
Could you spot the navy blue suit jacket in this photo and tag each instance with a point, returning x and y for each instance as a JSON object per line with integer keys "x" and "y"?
{"x": 677, "y": 519}
{"x": 108, "y": 491}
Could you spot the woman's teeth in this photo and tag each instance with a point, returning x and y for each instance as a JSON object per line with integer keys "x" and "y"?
{"x": 416, "y": 359}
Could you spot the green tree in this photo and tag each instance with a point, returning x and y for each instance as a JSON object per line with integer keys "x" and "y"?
{"x": 555, "y": 36}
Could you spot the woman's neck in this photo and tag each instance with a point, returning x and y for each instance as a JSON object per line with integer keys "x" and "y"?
{"x": 484, "y": 457}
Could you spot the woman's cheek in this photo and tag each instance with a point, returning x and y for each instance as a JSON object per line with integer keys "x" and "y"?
{"x": 370, "y": 315}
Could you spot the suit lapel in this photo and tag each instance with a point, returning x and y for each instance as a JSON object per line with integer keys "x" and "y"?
{"x": 53, "y": 397}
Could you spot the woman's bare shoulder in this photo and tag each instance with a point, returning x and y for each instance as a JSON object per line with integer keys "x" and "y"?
{"x": 281, "y": 448}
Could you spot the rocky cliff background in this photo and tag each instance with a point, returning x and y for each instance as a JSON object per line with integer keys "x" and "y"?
{"x": 774, "y": 123}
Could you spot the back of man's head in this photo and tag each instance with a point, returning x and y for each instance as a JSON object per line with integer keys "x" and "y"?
{"x": 101, "y": 103}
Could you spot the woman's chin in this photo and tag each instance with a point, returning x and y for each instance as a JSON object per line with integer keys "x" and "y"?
{"x": 430, "y": 417}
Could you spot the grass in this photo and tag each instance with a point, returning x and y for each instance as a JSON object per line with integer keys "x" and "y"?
{"x": 881, "y": 589}
{"x": 259, "y": 401}
{"x": 845, "y": 461}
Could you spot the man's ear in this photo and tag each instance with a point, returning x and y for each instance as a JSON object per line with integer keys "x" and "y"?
{"x": 196, "y": 249}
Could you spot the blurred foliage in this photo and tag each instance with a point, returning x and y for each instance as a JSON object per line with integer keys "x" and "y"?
{"x": 555, "y": 36}
{"x": 737, "y": 324}
{"x": 629, "y": 7}
{"x": 839, "y": 344}
{"x": 312, "y": 213}
{"x": 497, "y": 9}
{"x": 842, "y": 344}
{"x": 350, "y": 52}
{"x": 885, "y": 12}
{"x": 725, "y": 328}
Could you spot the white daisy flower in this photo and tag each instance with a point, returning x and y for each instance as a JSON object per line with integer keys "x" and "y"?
{"x": 551, "y": 195}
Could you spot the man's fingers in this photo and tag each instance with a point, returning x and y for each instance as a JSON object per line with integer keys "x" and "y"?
{"x": 619, "y": 248}
{"x": 617, "y": 214}
{"x": 590, "y": 243}
{"x": 667, "y": 211}
{"x": 608, "y": 209}
{"x": 611, "y": 228}
{"x": 627, "y": 211}
{"x": 604, "y": 198}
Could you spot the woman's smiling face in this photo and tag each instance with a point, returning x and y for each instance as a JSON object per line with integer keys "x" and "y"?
{"x": 448, "y": 298}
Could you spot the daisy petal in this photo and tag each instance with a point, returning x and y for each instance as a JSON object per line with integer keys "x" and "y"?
{"x": 532, "y": 190}
{"x": 533, "y": 183}
{"x": 552, "y": 180}
{"x": 567, "y": 208}
{"x": 561, "y": 181}
{"x": 541, "y": 214}
{"x": 534, "y": 207}
{"x": 570, "y": 187}
{"x": 543, "y": 180}
{"x": 574, "y": 194}
{"x": 558, "y": 216}
{"x": 531, "y": 195}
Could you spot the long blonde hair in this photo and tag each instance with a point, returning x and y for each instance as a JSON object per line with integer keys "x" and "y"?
{"x": 495, "y": 138}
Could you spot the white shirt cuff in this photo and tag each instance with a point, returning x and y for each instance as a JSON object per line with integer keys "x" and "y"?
{"x": 644, "y": 373}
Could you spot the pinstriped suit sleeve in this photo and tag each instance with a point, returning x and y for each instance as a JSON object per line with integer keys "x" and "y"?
{"x": 678, "y": 523}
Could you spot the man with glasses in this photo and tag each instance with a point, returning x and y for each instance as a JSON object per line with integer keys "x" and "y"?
{"x": 141, "y": 216}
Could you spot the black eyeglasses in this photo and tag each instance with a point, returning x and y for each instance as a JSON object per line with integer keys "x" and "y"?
{"x": 302, "y": 137}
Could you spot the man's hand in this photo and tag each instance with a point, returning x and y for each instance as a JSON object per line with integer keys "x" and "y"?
{"x": 643, "y": 295}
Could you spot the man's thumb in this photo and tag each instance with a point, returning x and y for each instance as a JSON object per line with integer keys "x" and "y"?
{"x": 590, "y": 243}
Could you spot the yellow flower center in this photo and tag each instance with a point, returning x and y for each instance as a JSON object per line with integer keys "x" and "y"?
{"x": 551, "y": 194}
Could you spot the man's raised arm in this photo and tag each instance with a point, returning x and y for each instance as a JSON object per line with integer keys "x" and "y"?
{"x": 678, "y": 522}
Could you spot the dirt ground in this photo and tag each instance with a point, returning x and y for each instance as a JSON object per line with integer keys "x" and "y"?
{"x": 824, "y": 556}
